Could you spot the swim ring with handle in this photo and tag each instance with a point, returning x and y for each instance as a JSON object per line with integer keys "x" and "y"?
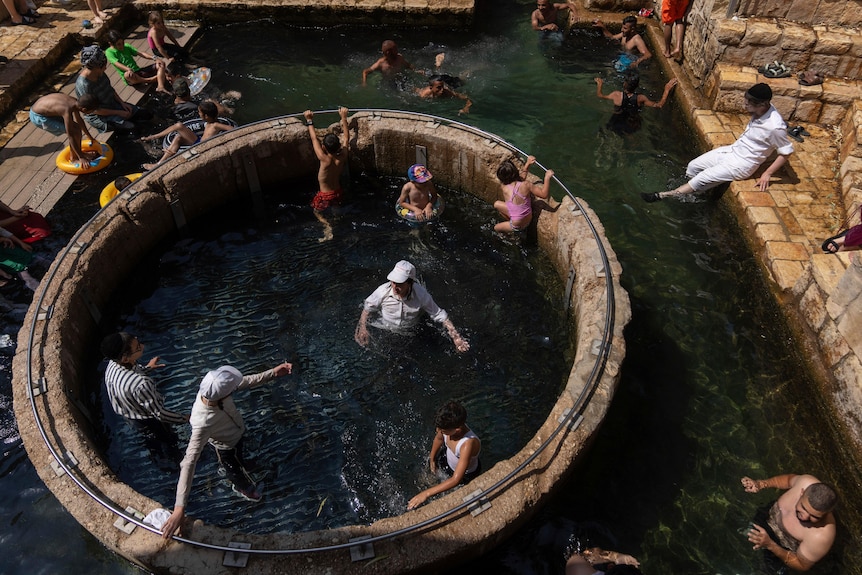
{"x": 110, "y": 191}
{"x": 106, "y": 155}
{"x": 410, "y": 217}
{"x": 196, "y": 125}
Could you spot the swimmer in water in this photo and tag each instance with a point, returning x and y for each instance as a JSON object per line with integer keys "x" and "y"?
{"x": 390, "y": 64}
{"x": 629, "y": 39}
{"x": 544, "y": 17}
{"x": 332, "y": 155}
{"x": 437, "y": 88}
{"x": 419, "y": 194}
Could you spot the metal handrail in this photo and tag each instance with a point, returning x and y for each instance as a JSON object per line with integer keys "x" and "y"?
{"x": 581, "y": 402}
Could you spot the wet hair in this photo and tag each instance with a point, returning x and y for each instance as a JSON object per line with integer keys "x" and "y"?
{"x": 331, "y": 143}
{"x": 88, "y": 102}
{"x": 122, "y": 183}
{"x": 114, "y": 37}
{"x": 630, "y": 20}
{"x": 508, "y": 172}
{"x": 154, "y": 17}
{"x": 631, "y": 81}
{"x": 387, "y": 44}
{"x": 116, "y": 345}
{"x": 208, "y": 109}
{"x": 175, "y": 69}
{"x": 181, "y": 88}
{"x": 451, "y": 415}
{"x": 821, "y": 497}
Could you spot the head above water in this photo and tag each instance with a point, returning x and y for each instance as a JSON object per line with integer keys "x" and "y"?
{"x": 389, "y": 48}
{"x": 402, "y": 272}
{"x": 88, "y": 102}
{"x": 92, "y": 57}
{"x": 418, "y": 173}
{"x": 117, "y": 345}
{"x": 220, "y": 383}
{"x": 821, "y": 496}
{"x": 508, "y": 172}
{"x": 181, "y": 88}
{"x": 332, "y": 143}
{"x": 451, "y": 415}
{"x": 208, "y": 110}
{"x": 122, "y": 183}
{"x": 631, "y": 81}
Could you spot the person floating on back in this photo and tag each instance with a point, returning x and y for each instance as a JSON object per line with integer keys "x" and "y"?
{"x": 765, "y": 133}
{"x": 460, "y": 458}
{"x": 517, "y": 203}
{"x": 437, "y": 88}
{"x": 185, "y": 137}
{"x": 332, "y": 154}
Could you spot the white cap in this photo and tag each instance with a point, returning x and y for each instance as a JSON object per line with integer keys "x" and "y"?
{"x": 219, "y": 383}
{"x": 402, "y": 271}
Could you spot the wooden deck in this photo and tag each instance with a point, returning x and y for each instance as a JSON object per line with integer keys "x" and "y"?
{"x": 28, "y": 172}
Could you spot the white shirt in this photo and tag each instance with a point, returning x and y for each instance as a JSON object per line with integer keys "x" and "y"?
{"x": 400, "y": 315}
{"x": 761, "y": 137}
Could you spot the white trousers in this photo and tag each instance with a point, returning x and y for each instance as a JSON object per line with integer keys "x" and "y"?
{"x": 717, "y": 167}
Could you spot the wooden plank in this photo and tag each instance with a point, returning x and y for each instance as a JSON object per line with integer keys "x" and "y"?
{"x": 28, "y": 172}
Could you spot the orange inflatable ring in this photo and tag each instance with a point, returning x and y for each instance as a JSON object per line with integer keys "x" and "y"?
{"x": 110, "y": 191}
{"x": 65, "y": 163}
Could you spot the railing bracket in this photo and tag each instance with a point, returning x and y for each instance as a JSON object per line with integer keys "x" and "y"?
{"x": 362, "y": 551}
{"x": 127, "y": 526}
{"x": 68, "y": 459}
{"x": 236, "y": 558}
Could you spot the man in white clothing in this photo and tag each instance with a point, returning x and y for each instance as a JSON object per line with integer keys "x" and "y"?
{"x": 765, "y": 133}
{"x": 400, "y": 303}
{"x": 216, "y": 420}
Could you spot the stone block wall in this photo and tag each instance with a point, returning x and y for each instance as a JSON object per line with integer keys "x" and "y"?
{"x": 842, "y": 12}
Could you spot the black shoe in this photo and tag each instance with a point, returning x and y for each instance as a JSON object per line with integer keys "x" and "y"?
{"x": 651, "y": 197}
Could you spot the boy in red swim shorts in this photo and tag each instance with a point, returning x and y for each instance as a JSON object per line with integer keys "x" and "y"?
{"x": 673, "y": 17}
{"x": 332, "y": 154}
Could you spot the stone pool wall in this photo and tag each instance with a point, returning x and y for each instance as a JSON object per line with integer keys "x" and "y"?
{"x": 233, "y": 167}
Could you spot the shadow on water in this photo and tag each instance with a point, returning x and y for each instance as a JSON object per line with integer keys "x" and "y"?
{"x": 711, "y": 387}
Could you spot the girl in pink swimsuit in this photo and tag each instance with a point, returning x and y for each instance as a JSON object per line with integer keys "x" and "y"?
{"x": 517, "y": 206}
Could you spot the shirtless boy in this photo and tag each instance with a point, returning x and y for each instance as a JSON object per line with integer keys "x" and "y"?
{"x": 389, "y": 64}
{"x": 801, "y": 520}
{"x": 629, "y": 39}
{"x": 185, "y": 137}
{"x": 419, "y": 194}
{"x": 545, "y": 16}
{"x": 332, "y": 154}
{"x": 58, "y": 113}
{"x": 438, "y": 89}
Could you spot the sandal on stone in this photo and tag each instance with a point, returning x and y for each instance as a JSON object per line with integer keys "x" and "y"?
{"x": 810, "y": 78}
{"x": 31, "y": 13}
{"x": 24, "y": 20}
{"x": 775, "y": 70}
{"x": 796, "y": 133}
{"x": 829, "y": 246}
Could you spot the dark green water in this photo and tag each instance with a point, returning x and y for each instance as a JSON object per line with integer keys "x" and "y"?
{"x": 711, "y": 388}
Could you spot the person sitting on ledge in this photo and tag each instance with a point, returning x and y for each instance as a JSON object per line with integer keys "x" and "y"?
{"x": 765, "y": 133}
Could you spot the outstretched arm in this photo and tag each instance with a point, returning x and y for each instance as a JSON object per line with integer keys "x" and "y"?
{"x": 645, "y": 53}
{"x": 361, "y": 334}
{"x": 461, "y": 344}
{"x": 667, "y": 90}
{"x": 467, "y": 450}
{"x": 345, "y": 130}
{"x": 309, "y": 120}
{"x": 544, "y": 190}
{"x": 794, "y": 560}
{"x": 763, "y": 181}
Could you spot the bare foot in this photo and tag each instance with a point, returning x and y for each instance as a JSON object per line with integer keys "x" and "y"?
{"x": 675, "y": 52}
{"x": 148, "y": 167}
{"x": 438, "y": 60}
{"x": 163, "y": 91}
{"x": 102, "y": 14}
{"x": 665, "y": 53}
{"x": 98, "y": 21}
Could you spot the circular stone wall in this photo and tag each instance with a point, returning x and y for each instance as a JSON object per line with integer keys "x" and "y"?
{"x": 62, "y": 326}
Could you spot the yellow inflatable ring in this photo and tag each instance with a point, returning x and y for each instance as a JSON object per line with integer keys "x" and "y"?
{"x": 410, "y": 217}
{"x": 65, "y": 163}
{"x": 110, "y": 191}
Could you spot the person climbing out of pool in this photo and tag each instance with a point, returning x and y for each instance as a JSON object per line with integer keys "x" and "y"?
{"x": 630, "y": 41}
{"x": 765, "y": 133}
{"x": 15, "y": 257}
{"x": 216, "y": 420}
{"x": 517, "y": 203}
{"x": 389, "y": 65}
{"x": 628, "y": 103}
{"x": 24, "y": 223}
{"x": 595, "y": 560}
{"x": 437, "y": 88}
{"x": 419, "y": 195}
{"x": 61, "y": 114}
{"x": 110, "y": 111}
{"x": 799, "y": 528}
{"x": 133, "y": 393}
{"x": 399, "y": 304}
{"x": 544, "y": 17}
{"x": 332, "y": 154}
{"x": 122, "y": 56}
{"x": 460, "y": 458}
{"x": 185, "y": 137}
